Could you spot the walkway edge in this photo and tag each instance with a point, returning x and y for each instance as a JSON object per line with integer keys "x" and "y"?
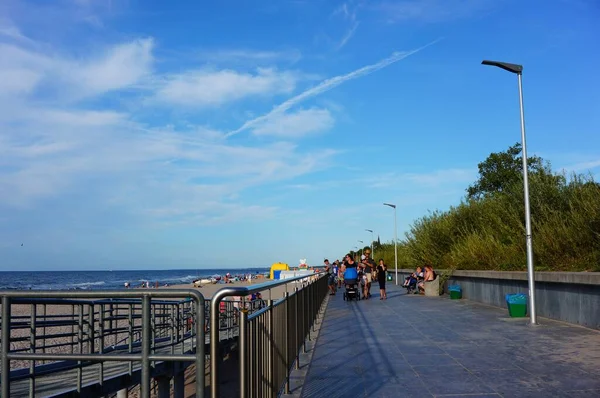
{"x": 297, "y": 376}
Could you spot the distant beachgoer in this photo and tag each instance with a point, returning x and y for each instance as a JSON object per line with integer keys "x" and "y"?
{"x": 331, "y": 277}
{"x": 381, "y": 269}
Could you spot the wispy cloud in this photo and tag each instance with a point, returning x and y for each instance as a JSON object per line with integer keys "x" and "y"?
{"x": 74, "y": 143}
{"x": 120, "y": 67}
{"x": 296, "y": 124}
{"x": 10, "y": 31}
{"x": 200, "y": 88}
{"x": 583, "y": 166}
{"x": 432, "y": 10}
{"x": 117, "y": 67}
{"x": 348, "y": 36}
{"x": 348, "y": 11}
{"x": 252, "y": 56}
{"x": 327, "y": 85}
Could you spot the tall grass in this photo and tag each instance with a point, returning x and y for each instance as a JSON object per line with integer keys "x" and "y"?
{"x": 489, "y": 233}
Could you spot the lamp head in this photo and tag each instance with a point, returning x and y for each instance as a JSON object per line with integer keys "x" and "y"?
{"x": 513, "y": 68}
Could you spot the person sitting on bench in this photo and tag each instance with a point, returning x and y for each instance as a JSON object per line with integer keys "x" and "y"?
{"x": 430, "y": 275}
{"x": 410, "y": 283}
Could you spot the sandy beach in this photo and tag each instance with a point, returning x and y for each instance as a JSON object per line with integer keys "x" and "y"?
{"x": 209, "y": 290}
{"x": 22, "y": 313}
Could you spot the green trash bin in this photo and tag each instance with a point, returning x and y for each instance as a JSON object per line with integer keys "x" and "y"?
{"x": 455, "y": 292}
{"x": 517, "y": 305}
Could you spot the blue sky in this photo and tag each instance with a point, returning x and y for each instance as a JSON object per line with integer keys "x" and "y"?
{"x": 152, "y": 134}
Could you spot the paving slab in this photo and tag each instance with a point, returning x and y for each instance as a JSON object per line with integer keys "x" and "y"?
{"x": 416, "y": 346}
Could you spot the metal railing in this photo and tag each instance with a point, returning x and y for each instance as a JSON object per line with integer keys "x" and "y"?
{"x": 146, "y": 327}
{"x": 271, "y": 338}
{"x": 102, "y": 326}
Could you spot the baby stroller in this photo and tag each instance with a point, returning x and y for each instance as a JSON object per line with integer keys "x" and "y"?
{"x": 351, "y": 284}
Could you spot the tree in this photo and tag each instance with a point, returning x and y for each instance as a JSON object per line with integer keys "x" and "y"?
{"x": 502, "y": 170}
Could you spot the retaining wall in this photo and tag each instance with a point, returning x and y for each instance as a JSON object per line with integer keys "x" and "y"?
{"x": 572, "y": 297}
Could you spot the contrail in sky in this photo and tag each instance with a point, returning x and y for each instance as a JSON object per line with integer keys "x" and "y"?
{"x": 327, "y": 85}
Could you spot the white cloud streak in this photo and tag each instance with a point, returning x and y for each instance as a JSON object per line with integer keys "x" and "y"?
{"x": 119, "y": 67}
{"x": 327, "y": 85}
{"x": 296, "y": 124}
{"x": 203, "y": 88}
{"x": 432, "y": 11}
{"x": 252, "y": 56}
{"x": 348, "y": 36}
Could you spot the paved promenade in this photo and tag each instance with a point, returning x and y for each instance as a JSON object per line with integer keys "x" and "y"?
{"x": 415, "y": 346}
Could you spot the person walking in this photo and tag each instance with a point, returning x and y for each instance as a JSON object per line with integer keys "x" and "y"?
{"x": 368, "y": 266}
{"x": 381, "y": 270}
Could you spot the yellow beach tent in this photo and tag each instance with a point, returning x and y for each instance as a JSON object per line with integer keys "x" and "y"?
{"x": 277, "y": 268}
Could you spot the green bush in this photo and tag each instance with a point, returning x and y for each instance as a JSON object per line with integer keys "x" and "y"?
{"x": 487, "y": 230}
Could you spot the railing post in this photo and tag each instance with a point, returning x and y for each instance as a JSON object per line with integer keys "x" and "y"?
{"x": 271, "y": 351}
{"x": 146, "y": 342}
{"x": 101, "y": 348}
{"x": 179, "y": 383}
{"x": 243, "y": 339}
{"x": 286, "y": 342}
{"x": 173, "y": 331}
{"x": 164, "y": 386}
{"x": 309, "y": 310}
{"x": 32, "y": 349}
{"x": 79, "y": 346}
{"x": 200, "y": 341}
{"x": 130, "y": 342}
{"x": 5, "y": 363}
{"x": 43, "y": 329}
{"x": 297, "y": 328}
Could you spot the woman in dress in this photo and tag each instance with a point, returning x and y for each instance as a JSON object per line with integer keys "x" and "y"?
{"x": 381, "y": 269}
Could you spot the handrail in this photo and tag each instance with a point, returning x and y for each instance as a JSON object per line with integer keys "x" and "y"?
{"x": 145, "y": 357}
{"x": 214, "y": 318}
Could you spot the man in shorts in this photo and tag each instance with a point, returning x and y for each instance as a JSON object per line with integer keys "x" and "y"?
{"x": 368, "y": 269}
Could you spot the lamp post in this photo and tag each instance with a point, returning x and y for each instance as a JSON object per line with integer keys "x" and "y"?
{"x": 395, "y": 240}
{"x": 518, "y": 70}
{"x": 372, "y": 244}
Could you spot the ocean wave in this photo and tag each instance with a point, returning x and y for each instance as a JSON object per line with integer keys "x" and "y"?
{"x": 85, "y": 285}
{"x": 187, "y": 278}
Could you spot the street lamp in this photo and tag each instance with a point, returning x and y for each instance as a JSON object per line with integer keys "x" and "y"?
{"x": 518, "y": 70}
{"x": 395, "y": 240}
{"x": 372, "y": 244}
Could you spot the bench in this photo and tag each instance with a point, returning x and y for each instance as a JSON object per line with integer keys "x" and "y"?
{"x": 432, "y": 288}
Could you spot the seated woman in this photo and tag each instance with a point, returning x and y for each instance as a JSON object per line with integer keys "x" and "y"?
{"x": 413, "y": 278}
{"x": 429, "y": 276}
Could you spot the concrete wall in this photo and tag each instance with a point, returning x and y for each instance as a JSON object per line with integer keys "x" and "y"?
{"x": 572, "y": 297}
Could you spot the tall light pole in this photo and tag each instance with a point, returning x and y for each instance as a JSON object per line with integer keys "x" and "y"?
{"x": 395, "y": 240}
{"x": 518, "y": 70}
{"x": 372, "y": 249}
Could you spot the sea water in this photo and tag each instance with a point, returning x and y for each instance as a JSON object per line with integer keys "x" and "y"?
{"x": 86, "y": 280}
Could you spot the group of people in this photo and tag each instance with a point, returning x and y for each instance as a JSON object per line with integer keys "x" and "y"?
{"x": 367, "y": 272}
{"x": 415, "y": 282}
